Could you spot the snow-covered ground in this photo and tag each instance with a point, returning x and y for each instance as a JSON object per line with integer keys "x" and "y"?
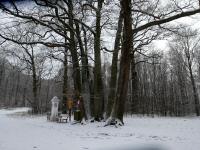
{"x": 22, "y": 132}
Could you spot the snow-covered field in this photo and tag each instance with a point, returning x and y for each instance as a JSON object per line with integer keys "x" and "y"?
{"x": 18, "y": 132}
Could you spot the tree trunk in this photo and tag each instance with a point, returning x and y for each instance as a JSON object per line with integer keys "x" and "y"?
{"x": 98, "y": 84}
{"x": 73, "y": 50}
{"x": 195, "y": 94}
{"x": 35, "y": 102}
{"x": 113, "y": 78}
{"x": 134, "y": 86}
{"x": 47, "y": 95}
{"x": 65, "y": 79}
{"x": 121, "y": 95}
{"x": 85, "y": 91}
{"x": 16, "y": 98}
{"x": 24, "y": 97}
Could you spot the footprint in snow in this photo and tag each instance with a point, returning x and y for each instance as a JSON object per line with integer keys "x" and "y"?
{"x": 84, "y": 147}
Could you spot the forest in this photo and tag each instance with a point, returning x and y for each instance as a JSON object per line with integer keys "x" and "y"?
{"x": 106, "y": 51}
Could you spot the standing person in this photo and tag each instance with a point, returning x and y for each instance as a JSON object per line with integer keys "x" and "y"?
{"x": 78, "y": 105}
{"x": 81, "y": 107}
{"x": 77, "y": 113}
{"x": 69, "y": 107}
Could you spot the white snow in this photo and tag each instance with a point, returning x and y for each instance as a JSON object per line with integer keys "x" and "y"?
{"x": 23, "y": 132}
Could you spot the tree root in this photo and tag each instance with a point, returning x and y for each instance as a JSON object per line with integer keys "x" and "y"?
{"x": 113, "y": 122}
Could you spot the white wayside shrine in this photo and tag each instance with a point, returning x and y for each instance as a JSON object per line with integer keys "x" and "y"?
{"x": 54, "y": 108}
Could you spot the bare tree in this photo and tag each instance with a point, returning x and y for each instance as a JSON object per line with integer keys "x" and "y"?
{"x": 187, "y": 44}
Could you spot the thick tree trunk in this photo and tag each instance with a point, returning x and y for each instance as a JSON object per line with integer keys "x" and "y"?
{"x": 73, "y": 50}
{"x": 85, "y": 91}
{"x": 121, "y": 95}
{"x": 98, "y": 83}
{"x": 113, "y": 78}
{"x": 134, "y": 87}
{"x": 35, "y": 103}
{"x": 65, "y": 79}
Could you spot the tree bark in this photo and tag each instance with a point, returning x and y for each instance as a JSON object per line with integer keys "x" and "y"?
{"x": 195, "y": 94}
{"x": 85, "y": 91}
{"x": 35, "y": 102}
{"x": 65, "y": 80}
{"x": 118, "y": 107}
{"x": 134, "y": 86}
{"x": 73, "y": 50}
{"x": 98, "y": 83}
{"x": 114, "y": 70}
{"x": 16, "y": 98}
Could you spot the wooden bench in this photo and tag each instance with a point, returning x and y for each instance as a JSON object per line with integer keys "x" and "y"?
{"x": 63, "y": 118}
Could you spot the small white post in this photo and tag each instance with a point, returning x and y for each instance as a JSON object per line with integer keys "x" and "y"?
{"x": 54, "y": 108}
